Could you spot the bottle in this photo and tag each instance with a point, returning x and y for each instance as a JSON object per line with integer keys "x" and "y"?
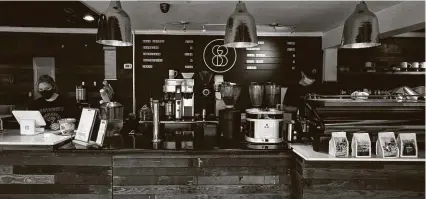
{"x": 81, "y": 93}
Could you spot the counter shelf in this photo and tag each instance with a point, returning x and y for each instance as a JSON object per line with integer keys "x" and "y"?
{"x": 323, "y": 116}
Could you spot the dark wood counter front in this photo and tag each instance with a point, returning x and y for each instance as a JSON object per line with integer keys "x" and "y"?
{"x": 178, "y": 175}
{"x": 48, "y": 175}
{"x": 375, "y": 178}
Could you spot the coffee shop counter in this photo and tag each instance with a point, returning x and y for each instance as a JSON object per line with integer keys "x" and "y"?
{"x": 319, "y": 175}
{"x": 68, "y": 171}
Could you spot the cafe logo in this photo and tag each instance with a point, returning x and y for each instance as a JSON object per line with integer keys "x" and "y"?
{"x": 219, "y": 58}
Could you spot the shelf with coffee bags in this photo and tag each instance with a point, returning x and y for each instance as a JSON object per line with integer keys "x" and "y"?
{"x": 323, "y": 116}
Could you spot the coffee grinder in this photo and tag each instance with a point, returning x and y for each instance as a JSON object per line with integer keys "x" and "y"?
{"x": 207, "y": 94}
{"x": 264, "y": 125}
{"x": 229, "y": 118}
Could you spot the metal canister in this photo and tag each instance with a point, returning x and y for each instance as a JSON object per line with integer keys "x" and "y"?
{"x": 156, "y": 121}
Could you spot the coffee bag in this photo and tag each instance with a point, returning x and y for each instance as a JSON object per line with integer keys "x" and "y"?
{"x": 338, "y": 146}
{"x": 361, "y": 145}
{"x": 407, "y": 145}
{"x": 386, "y": 146}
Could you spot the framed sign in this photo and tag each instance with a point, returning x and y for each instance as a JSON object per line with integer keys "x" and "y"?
{"x": 85, "y": 127}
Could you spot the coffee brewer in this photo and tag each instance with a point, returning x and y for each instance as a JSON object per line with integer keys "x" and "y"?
{"x": 264, "y": 125}
{"x": 229, "y": 118}
{"x": 178, "y": 99}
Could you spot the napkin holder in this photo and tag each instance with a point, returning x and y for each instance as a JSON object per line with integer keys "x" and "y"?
{"x": 407, "y": 145}
{"x": 338, "y": 146}
{"x": 361, "y": 145}
{"x": 386, "y": 146}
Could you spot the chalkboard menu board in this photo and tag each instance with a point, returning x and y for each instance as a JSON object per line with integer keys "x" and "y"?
{"x": 276, "y": 59}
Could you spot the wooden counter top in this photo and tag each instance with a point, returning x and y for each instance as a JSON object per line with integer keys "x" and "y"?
{"x": 366, "y": 103}
{"x": 14, "y": 138}
{"x": 307, "y": 153}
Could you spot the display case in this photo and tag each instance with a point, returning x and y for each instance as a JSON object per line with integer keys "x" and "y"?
{"x": 326, "y": 114}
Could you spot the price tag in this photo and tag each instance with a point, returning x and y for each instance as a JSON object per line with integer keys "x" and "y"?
{"x": 291, "y": 43}
{"x": 252, "y": 48}
{"x": 189, "y": 41}
{"x": 259, "y": 61}
{"x": 189, "y": 66}
{"x": 250, "y": 61}
{"x": 188, "y": 54}
{"x": 151, "y": 47}
{"x": 260, "y": 42}
{"x": 146, "y": 41}
{"x": 260, "y": 55}
{"x": 251, "y": 55}
{"x": 153, "y": 60}
{"x": 147, "y": 66}
{"x": 251, "y": 67}
{"x": 291, "y": 49}
{"x": 151, "y": 54}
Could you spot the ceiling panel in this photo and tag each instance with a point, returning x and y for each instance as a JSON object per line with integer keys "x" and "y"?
{"x": 57, "y": 14}
{"x": 307, "y": 16}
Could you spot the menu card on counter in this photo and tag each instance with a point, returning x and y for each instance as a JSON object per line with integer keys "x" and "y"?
{"x": 101, "y": 133}
{"x": 85, "y": 127}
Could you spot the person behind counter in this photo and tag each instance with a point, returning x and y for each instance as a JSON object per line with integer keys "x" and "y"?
{"x": 51, "y": 105}
{"x": 297, "y": 91}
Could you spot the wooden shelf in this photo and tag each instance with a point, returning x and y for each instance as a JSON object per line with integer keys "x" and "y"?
{"x": 385, "y": 73}
{"x": 181, "y": 122}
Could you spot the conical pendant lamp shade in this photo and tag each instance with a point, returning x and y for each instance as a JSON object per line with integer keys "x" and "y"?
{"x": 361, "y": 29}
{"x": 114, "y": 28}
{"x": 240, "y": 29}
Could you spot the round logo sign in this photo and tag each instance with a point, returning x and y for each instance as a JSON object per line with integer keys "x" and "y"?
{"x": 219, "y": 58}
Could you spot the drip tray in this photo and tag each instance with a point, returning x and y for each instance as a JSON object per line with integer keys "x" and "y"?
{"x": 266, "y": 146}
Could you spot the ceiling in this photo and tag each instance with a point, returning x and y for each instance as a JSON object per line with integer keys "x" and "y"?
{"x": 306, "y": 16}
{"x": 57, "y": 14}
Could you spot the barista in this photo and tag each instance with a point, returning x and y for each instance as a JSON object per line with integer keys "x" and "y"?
{"x": 51, "y": 105}
{"x": 304, "y": 85}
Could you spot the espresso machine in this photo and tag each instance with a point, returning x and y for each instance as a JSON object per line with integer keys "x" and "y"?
{"x": 178, "y": 99}
{"x": 264, "y": 125}
{"x": 229, "y": 118}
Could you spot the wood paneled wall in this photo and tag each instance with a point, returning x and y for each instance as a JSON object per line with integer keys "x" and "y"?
{"x": 77, "y": 58}
{"x": 277, "y": 59}
{"x": 358, "y": 179}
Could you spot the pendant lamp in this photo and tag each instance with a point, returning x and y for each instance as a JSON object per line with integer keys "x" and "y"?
{"x": 240, "y": 29}
{"x": 361, "y": 29}
{"x": 114, "y": 28}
